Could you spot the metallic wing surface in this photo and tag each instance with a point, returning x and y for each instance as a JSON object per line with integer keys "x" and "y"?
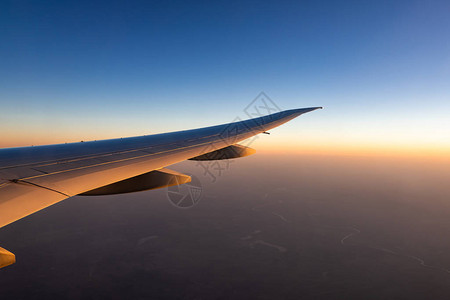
{"x": 32, "y": 178}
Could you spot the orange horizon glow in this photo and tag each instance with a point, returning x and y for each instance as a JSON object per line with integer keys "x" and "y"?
{"x": 361, "y": 150}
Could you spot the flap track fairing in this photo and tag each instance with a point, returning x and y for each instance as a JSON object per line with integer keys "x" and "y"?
{"x": 149, "y": 181}
{"x": 233, "y": 151}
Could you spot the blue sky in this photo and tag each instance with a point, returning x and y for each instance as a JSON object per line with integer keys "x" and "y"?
{"x": 92, "y": 69}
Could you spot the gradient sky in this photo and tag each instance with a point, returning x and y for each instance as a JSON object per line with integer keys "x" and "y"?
{"x": 81, "y": 70}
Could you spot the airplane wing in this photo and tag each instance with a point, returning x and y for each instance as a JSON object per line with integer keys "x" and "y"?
{"x": 32, "y": 178}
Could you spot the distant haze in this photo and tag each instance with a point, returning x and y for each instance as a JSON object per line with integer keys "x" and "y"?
{"x": 268, "y": 227}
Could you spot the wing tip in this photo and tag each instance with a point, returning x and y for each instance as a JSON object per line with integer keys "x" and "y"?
{"x": 304, "y": 110}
